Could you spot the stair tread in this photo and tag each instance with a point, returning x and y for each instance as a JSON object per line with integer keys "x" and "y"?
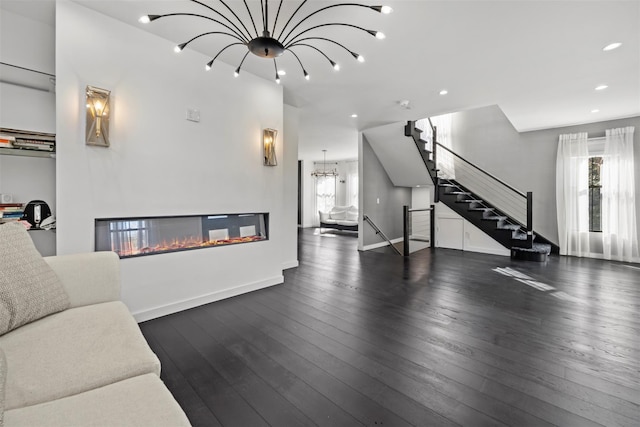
{"x": 495, "y": 218}
{"x": 537, "y": 247}
{"x": 514, "y": 227}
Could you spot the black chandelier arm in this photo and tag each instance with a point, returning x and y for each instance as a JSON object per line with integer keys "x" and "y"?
{"x": 293, "y": 40}
{"x": 323, "y": 9}
{"x": 275, "y": 65}
{"x": 248, "y": 35}
{"x": 210, "y": 63}
{"x": 333, "y": 64}
{"x": 183, "y": 45}
{"x": 290, "y": 18}
{"x": 265, "y": 15}
{"x": 241, "y": 62}
{"x": 251, "y": 16}
{"x": 355, "y": 55}
{"x": 155, "y": 17}
{"x": 306, "y": 75}
{"x": 276, "y": 20}
{"x": 238, "y": 18}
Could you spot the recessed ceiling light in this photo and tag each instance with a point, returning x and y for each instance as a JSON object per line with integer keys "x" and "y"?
{"x": 354, "y": 115}
{"x": 444, "y": 92}
{"x": 595, "y": 110}
{"x": 282, "y": 73}
{"x": 612, "y": 46}
{"x": 601, "y": 87}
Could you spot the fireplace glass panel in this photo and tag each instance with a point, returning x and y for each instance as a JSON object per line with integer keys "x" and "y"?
{"x": 130, "y": 237}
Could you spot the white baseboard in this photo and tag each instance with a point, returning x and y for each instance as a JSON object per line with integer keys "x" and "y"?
{"x": 175, "y": 307}
{"x": 601, "y": 256}
{"x": 290, "y": 264}
{"x": 381, "y": 244}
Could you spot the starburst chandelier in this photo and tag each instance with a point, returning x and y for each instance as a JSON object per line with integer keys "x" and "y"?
{"x": 292, "y": 35}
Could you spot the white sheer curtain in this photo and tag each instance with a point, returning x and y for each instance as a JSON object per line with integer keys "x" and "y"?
{"x": 572, "y": 194}
{"x": 619, "y": 230}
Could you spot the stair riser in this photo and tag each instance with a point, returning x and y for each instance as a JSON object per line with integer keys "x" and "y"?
{"x": 489, "y": 227}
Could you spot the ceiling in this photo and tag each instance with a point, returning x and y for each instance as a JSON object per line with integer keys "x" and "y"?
{"x": 540, "y": 61}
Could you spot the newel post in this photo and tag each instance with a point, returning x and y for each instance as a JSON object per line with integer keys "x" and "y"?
{"x": 529, "y": 219}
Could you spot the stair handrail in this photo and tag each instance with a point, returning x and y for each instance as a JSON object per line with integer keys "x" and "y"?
{"x": 482, "y": 170}
{"x": 380, "y": 233}
{"x": 410, "y": 130}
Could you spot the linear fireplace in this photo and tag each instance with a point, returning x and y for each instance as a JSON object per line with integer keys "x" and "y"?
{"x": 139, "y": 236}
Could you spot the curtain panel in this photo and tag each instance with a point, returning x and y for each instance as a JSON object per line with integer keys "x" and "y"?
{"x": 619, "y": 229}
{"x": 572, "y": 194}
{"x": 618, "y": 239}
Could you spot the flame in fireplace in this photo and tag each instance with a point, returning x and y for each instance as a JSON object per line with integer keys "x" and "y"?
{"x": 128, "y": 249}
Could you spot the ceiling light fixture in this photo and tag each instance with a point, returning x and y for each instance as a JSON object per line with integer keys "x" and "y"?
{"x": 601, "y": 87}
{"x": 354, "y": 115}
{"x": 444, "y": 92}
{"x": 595, "y": 110}
{"x": 612, "y": 46}
{"x": 268, "y": 45}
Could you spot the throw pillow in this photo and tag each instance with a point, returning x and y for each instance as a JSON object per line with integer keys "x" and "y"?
{"x": 3, "y": 377}
{"x": 29, "y": 288}
{"x": 323, "y": 216}
{"x": 338, "y": 214}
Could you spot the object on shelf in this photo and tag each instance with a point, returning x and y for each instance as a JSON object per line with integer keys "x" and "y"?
{"x": 6, "y": 141}
{"x": 10, "y": 212}
{"x": 27, "y": 140}
{"x": 35, "y": 212}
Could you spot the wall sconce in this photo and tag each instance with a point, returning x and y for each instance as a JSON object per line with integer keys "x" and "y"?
{"x": 269, "y": 146}
{"x": 97, "y": 116}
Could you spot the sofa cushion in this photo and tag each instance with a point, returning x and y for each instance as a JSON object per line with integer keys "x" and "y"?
{"x": 29, "y": 289}
{"x": 347, "y": 223}
{"x": 352, "y": 215}
{"x": 74, "y": 351}
{"x": 3, "y": 377}
{"x": 139, "y": 401}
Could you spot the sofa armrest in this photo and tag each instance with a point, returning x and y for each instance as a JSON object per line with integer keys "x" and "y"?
{"x": 88, "y": 278}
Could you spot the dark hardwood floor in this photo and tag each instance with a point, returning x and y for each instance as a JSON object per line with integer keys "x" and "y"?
{"x": 439, "y": 339}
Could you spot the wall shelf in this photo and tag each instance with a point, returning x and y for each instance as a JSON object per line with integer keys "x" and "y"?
{"x": 26, "y": 77}
{"x": 27, "y": 153}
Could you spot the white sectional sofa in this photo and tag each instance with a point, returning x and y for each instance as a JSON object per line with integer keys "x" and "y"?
{"x": 85, "y": 365}
{"x": 340, "y": 218}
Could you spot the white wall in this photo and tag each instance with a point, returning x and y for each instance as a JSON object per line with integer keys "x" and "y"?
{"x": 290, "y": 198}
{"x": 161, "y": 164}
{"x": 380, "y": 200}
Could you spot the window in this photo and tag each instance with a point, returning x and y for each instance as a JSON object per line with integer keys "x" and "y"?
{"x": 325, "y": 192}
{"x": 595, "y": 194}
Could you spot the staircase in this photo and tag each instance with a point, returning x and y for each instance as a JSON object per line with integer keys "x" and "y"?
{"x": 516, "y": 235}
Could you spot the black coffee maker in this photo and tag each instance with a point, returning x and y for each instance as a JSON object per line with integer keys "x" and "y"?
{"x": 35, "y": 212}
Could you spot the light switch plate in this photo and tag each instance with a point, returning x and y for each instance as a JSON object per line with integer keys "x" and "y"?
{"x": 193, "y": 115}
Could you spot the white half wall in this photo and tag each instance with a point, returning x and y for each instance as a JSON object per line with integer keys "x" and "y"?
{"x": 161, "y": 164}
